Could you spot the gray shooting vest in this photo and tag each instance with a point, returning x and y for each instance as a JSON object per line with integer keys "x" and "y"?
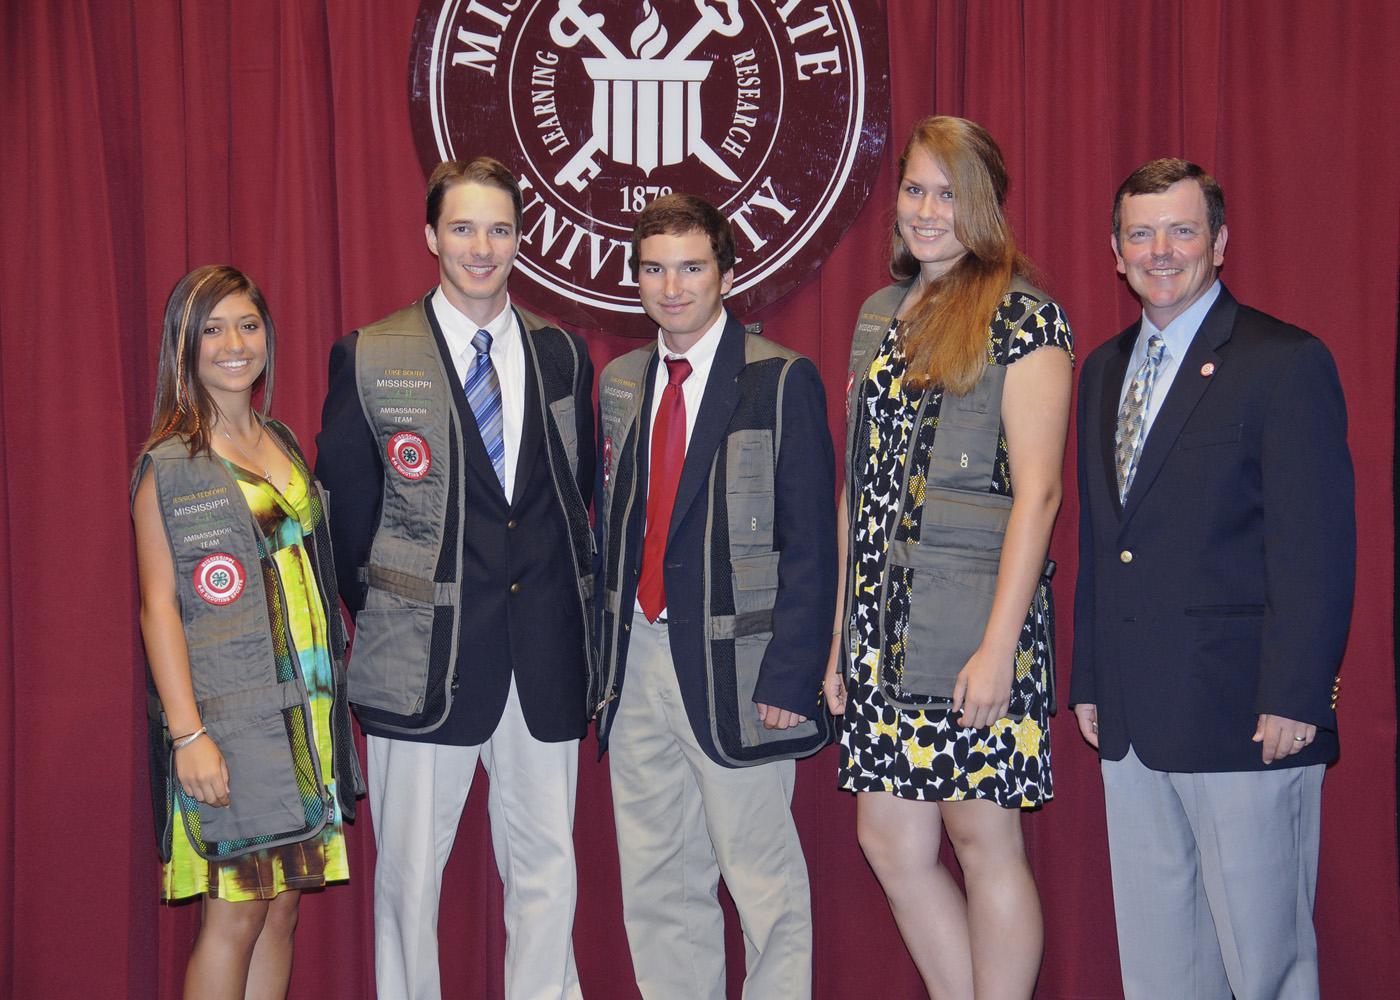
{"x": 221, "y": 587}
{"x": 740, "y": 563}
{"x": 408, "y": 400}
{"x": 952, "y": 565}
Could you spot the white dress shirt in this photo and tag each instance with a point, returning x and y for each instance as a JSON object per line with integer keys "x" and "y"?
{"x": 1178, "y": 336}
{"x": 507, "y": 357}
{"x": 702, "y": 358}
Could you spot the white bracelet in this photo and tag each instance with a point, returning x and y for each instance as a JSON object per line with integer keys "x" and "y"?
{"x": 185, "y": 741}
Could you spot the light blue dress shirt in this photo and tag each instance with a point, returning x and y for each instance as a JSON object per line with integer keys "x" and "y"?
{"x": 1178, "y": 335}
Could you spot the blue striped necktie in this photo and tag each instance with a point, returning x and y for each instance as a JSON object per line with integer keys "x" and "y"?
{"x": 483, "y": 390}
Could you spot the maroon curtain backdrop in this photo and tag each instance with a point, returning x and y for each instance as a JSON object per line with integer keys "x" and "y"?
{"x": 141, "y": 140}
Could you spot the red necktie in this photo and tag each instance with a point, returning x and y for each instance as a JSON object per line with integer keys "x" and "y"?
{"x": 667, "y": 457}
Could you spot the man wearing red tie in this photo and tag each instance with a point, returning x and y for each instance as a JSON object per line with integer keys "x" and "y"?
{"x": 716, "y": 592}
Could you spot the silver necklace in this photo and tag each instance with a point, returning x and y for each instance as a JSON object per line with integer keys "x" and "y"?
{"x": 252, "y": 464}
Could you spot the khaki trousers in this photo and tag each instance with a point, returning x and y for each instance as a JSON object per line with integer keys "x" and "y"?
{"x": 682, "y": 822}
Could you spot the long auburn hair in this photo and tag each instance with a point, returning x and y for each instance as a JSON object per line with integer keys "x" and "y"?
{"x": 183, "y": 407}
{"x": 945, "y": 333}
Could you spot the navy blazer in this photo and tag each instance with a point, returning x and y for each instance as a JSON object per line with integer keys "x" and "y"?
{"x": 804, "y": 532}
{"x": 1222, "y": 589}
{"x": 537, "y": 634}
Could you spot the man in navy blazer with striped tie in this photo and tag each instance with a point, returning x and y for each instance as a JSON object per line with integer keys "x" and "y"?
{"x": 1217, "y": 555}
{"x": 457, "y": 444}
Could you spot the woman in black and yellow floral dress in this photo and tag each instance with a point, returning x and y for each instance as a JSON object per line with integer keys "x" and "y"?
{"x": 963, "y": 325}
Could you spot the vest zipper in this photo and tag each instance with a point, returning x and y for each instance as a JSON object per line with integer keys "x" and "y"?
{"x": 608, "y": 693}
{"x": 546, "y": 416}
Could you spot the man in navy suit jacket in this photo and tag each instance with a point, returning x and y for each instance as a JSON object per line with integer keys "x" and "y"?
{"x": 1217, "y": 556}
{"x": 716, "y": 593}
{"x": 457, "y": 443}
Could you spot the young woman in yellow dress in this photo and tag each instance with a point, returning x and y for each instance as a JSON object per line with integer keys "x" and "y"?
{"x": 941, "y": 656}
{"x": 253, "y": 768}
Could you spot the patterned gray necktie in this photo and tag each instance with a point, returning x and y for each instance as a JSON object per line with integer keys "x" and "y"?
{"x": 1127, "y": 440}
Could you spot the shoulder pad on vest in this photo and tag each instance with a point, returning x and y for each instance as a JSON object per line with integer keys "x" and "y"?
{"x": 171, "y": 447}
{"x": 886, "y": 300}
{"x": 409, "y": 319}
{"x": 759, "y": 348}
{"x": 533, "y": 322}
{"x": 1024, "y": 287}
{"x": 630, "y": 367}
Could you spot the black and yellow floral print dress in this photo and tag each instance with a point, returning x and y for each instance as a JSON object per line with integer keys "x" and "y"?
{"x": 924, "y": 754}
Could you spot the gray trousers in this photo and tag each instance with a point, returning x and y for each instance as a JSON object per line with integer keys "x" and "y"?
{"x": 1213, "y": 880}
{"x": 682, "y": 821}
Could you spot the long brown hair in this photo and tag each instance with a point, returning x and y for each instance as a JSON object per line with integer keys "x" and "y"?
{"x": 945, "y": 333}
{"x": 183, "y": 406}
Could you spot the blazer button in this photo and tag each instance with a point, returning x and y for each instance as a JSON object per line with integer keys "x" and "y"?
{"x": 512, "y": 524}
{"x": 515, "y": 588}
{"x": 627, "y": 626}
{"x": 1126, "y": 556}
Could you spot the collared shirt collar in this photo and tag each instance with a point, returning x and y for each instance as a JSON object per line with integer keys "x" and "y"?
{"x": 1179, "y": 332}
{"x": 702, "y": 353}
{"x": 459, "y": 330}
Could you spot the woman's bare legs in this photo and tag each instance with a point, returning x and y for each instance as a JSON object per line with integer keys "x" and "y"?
{"x": 244, "y": 949}
{"x": 271, "y": 968}
{"x": 1003, "y": 906}
{"x": 900, "y": 839}
{"x": 986, "y": 945}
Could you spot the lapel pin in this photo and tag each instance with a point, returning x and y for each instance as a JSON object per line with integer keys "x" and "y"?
{"x": 1208, "y": 369}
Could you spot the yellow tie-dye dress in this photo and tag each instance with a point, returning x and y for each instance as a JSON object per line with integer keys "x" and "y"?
{"x": 285, "y": 519}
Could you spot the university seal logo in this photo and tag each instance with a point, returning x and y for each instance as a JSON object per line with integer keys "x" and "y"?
{"x": 775, "y": 110}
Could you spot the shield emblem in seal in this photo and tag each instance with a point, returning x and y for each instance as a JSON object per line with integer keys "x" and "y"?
{"x": 408, "y": 454}
{"x": 219, "y": 579}
{"x": 777, "y": 113}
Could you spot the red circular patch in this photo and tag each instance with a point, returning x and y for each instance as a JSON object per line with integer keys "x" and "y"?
{"x": 219, "y": 578}
{"x": 777, "y": 113}
{"x": 409, "y": 455}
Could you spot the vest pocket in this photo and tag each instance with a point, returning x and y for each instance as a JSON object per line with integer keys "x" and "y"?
{"x": 749, "y": 495}
{"x": 755, "y": 593}
{"x": 755, "y": 583}
{"x": 390, "y": 658}
{"x": 748, "y": 660}
{"x": 263, "y": 796}
{"x": 750, "y": 525}
{"x": 950, "y": 600}
{"x": 563, "y": 412}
